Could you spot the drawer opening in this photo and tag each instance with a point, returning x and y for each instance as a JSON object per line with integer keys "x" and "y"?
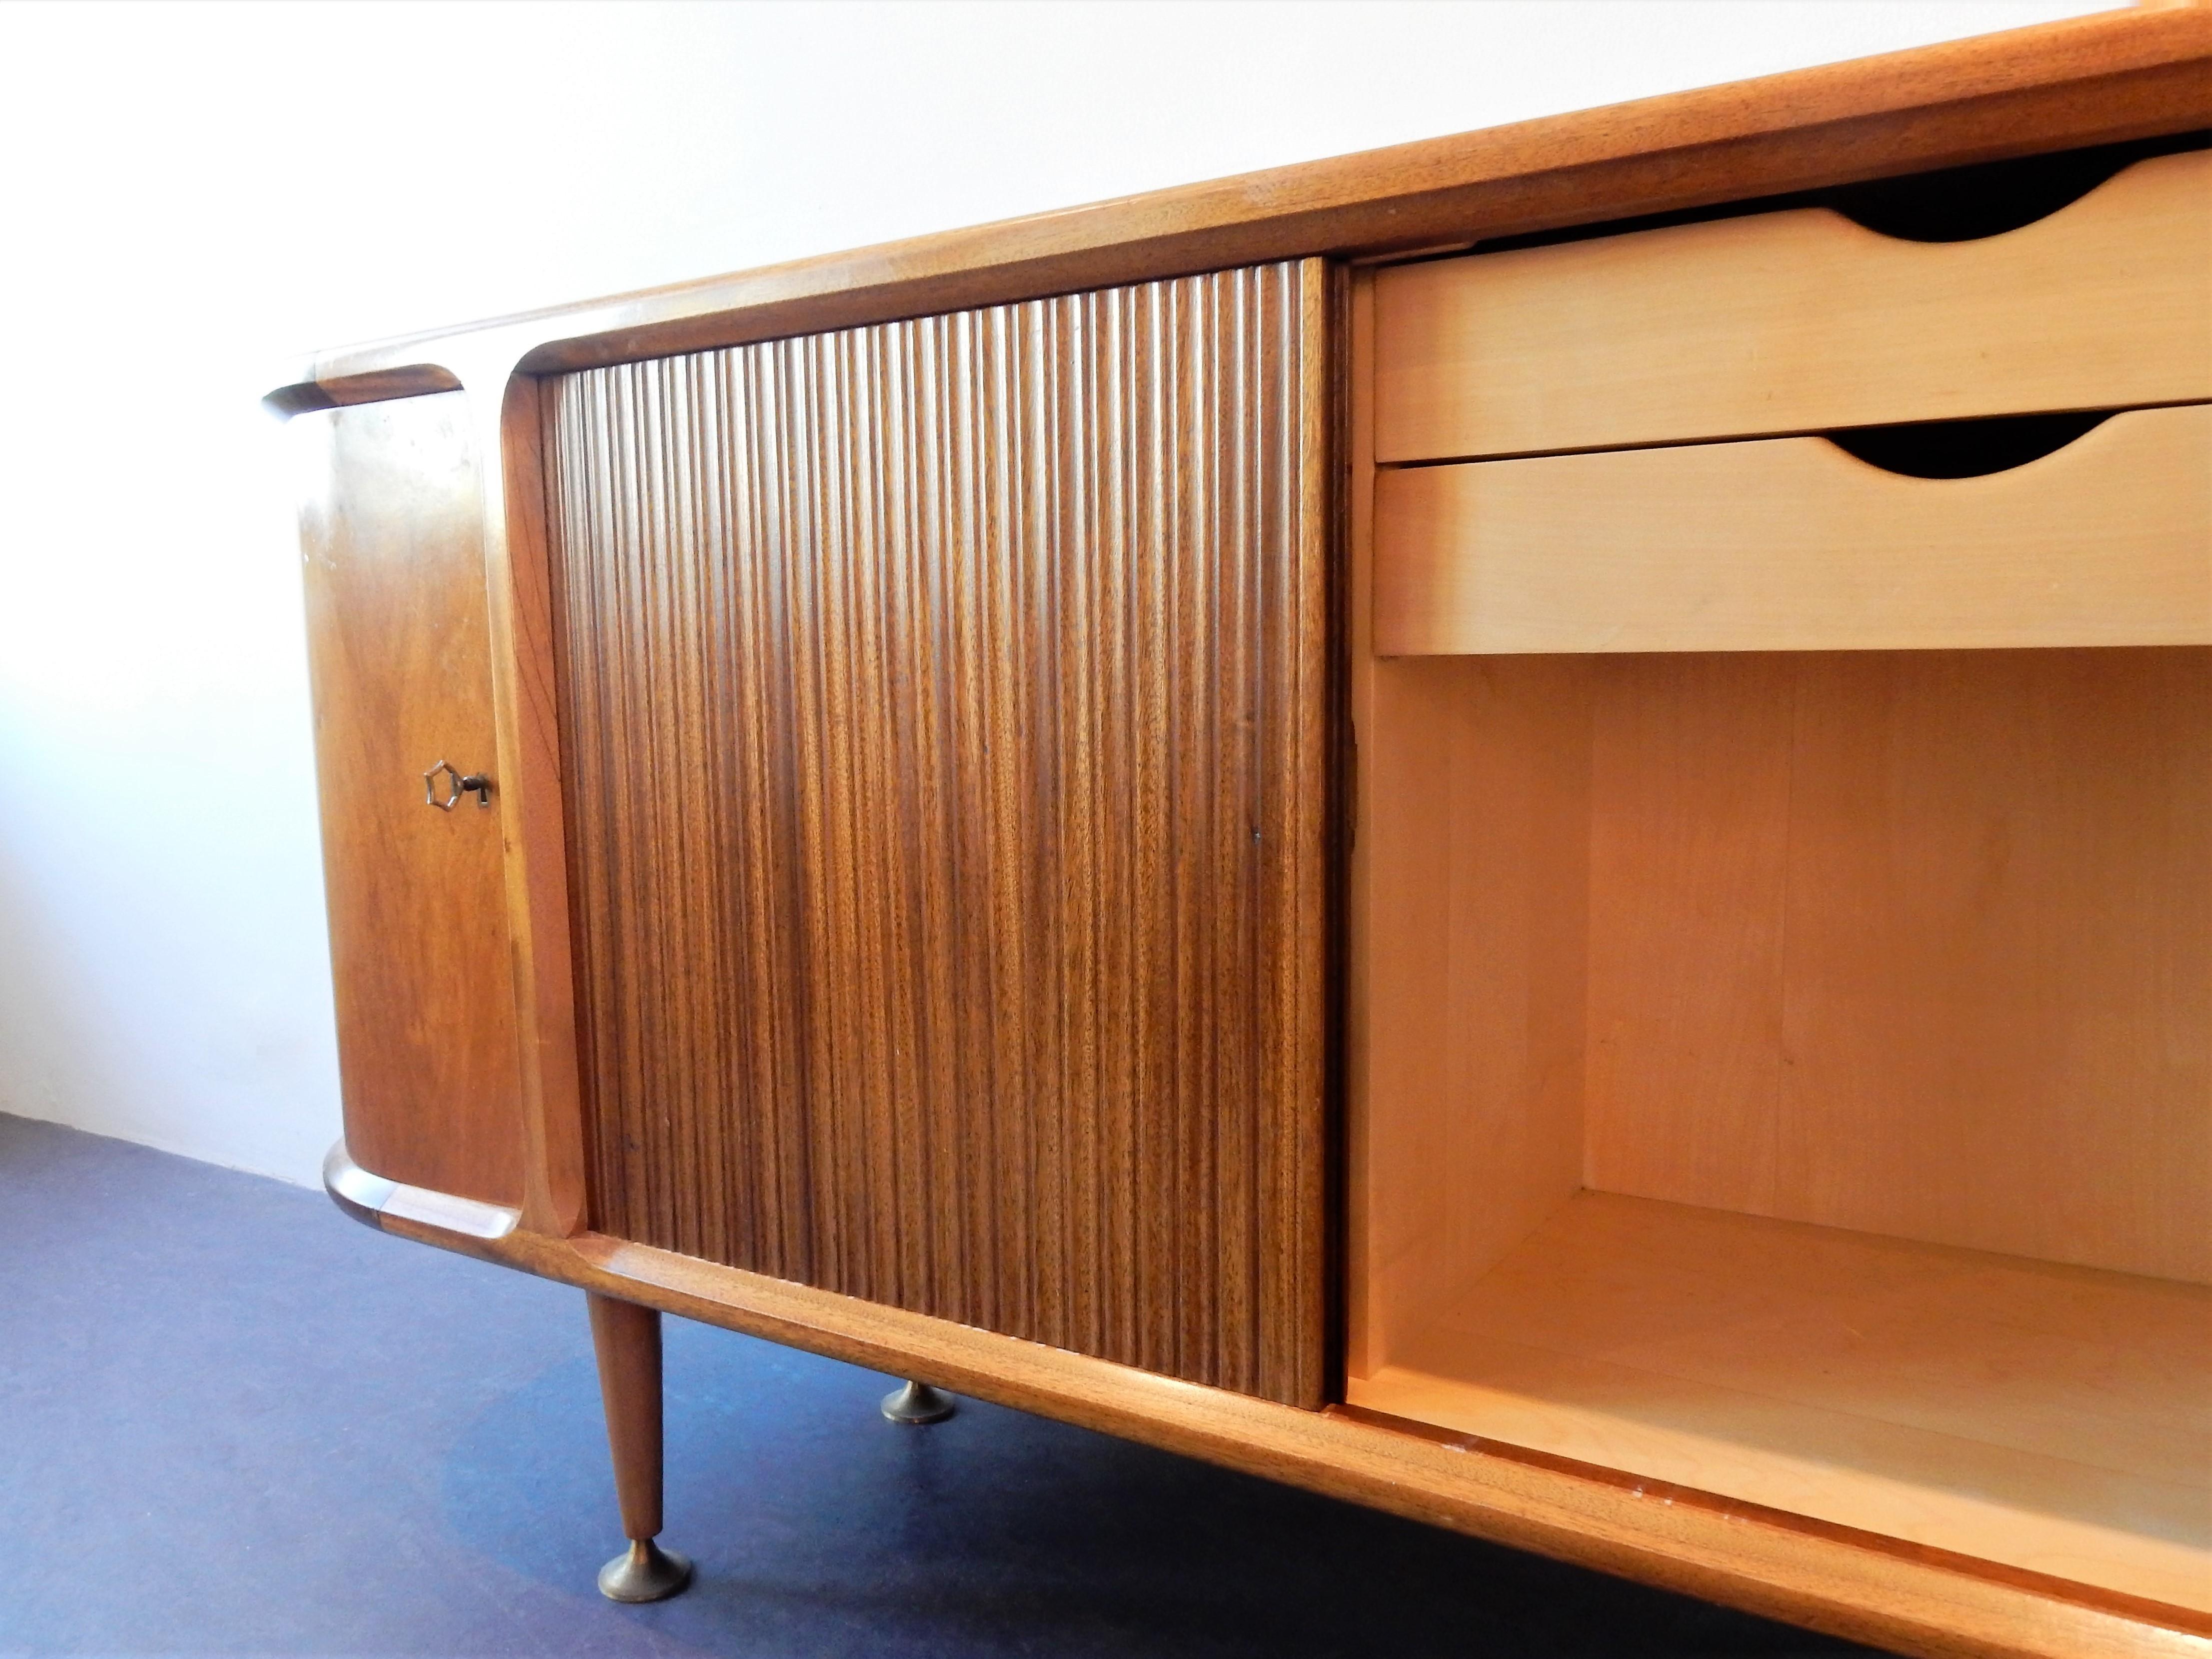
{"x": 1950, "y": 205}
{"x": 1965, "y": 449}
{"x": 1965, "y": 204}
{"x": 1789, "y": 1076}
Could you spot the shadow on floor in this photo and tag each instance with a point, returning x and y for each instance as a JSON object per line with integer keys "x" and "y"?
{"x": 235, "y": 1423}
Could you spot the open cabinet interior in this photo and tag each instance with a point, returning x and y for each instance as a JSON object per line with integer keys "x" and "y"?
{"x": 1789, "y": 1075}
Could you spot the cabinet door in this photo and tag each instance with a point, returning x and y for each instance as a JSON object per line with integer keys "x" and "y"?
{"x": 391, "y": 535}
{"x": 946, "y": 706}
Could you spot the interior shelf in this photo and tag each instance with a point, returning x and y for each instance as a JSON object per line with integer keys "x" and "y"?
{"x": 1788, "y": 1076}
{"x": 2051, "y": 1418}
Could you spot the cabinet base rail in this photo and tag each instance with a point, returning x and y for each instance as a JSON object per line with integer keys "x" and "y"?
{"x": 1856, "y": 1585}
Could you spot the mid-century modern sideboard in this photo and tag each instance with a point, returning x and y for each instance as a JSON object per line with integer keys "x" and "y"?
{"x": 1519, "y": 828}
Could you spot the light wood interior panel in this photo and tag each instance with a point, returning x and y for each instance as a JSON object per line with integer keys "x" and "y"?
{"x": 1916, "y": 943}
{"x": 1885, "y": 1048}
{"x": 1800, "y": 321}
{"x": 1364, "y": 1205}
{"x": 399, "y": 652}
{"x": 2021, "y": 990}
{"x": 2046, "y": 1418}
{"x": 1689, "y": 840}
{"x": 1478, "y": 847}
{"x": 1907, "y": 942}
{"x": 1791, "y": 544}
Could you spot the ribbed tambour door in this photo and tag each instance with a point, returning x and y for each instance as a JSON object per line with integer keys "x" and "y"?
{"x": 945, "y": 706}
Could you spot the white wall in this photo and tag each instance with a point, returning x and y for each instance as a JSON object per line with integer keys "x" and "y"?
{"x": 191, "y": 194}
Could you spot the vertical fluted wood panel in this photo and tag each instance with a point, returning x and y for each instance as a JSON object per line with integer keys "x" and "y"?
{"x": 945, "y": 706}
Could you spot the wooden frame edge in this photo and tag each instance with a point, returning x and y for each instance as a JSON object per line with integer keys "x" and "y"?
{"x": 377, "y": 387}
{"x": 370, "y": 1198}
{"x": 1315, "y": 984}
{"x": 519, "y": 585}
{"x": 2140, "y": 1609}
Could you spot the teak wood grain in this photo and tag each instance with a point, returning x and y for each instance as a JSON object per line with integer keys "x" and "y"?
{"x": 399, "y": 658}
{"x": 947, "y": 721}
{"x": 1790, "y": 544}
{"x": 1800, "y": 321}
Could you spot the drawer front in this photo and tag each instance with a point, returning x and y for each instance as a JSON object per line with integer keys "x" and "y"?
{"x": 1790, "y": 545}
{"x": 1800, "y": 321}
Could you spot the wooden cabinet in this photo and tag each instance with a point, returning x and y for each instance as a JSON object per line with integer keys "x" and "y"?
{"x": 1539, "y": 851}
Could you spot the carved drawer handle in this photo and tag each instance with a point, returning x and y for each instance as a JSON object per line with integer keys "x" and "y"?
{"x": 457, "y": 785}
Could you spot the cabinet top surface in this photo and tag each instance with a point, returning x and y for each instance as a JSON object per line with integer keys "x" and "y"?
{"x": 2109, "y": 76}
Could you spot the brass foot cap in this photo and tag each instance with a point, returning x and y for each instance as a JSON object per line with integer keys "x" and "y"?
{"x": 918, "y": 1403}
{"x": 644, "y": 1572}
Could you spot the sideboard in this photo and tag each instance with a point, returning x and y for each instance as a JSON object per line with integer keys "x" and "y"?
{"x": 1518, "y": 828}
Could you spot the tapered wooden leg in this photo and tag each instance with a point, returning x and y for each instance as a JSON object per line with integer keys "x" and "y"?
{"x": 628, "y": 1341}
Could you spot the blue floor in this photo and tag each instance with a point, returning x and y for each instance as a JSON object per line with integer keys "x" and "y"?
{"x": 234, "y": 1422}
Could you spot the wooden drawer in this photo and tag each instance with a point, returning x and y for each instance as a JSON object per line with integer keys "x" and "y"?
{"x": 1790, "y": 544}
{"x": 1800, "y": 321}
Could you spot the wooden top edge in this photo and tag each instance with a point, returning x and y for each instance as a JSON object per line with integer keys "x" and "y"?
{"x": 2104, "y": 77}
{"x": 373, "y": 387}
